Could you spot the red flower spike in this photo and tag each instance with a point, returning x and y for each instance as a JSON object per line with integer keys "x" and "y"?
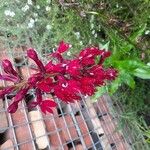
{"x": 63, "y": 47}
{"x": 90, "y": 52}
{"x": 68, "y": 80}
{"x": 8, "y": 68}
{"x": 97, "y": 73}
{"x": 87, "y": 56}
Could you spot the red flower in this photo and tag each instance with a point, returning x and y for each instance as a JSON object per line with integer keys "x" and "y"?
{"x": 87, "y": 86}
{"x": 52, "y": 69}
{"x": 87, "y": 56}
{"x": 63, "y": 47}
{"x": 104, "y": 55}
{"x": 19, "y": 96}
{"x": 8, "y": 68}
{"x": 90, "y": 52}
{"x": 45, "y": 105}
{"x": 68, "y": 80}
{"x": 45, "y": 85}
{"x": 73, "y": 68}
{"x": 31, "y": 53}
{"x": 97, "y": 72}
{"x": 67, "y": 90}
{"x": 35, "y": 78}
{"x": 111, "y": 74}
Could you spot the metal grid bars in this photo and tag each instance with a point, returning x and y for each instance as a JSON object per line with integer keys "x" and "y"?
{"x": 80, "y": 126}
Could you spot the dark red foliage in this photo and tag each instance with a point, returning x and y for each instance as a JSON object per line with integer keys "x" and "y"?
{"x": 68, "y": 80}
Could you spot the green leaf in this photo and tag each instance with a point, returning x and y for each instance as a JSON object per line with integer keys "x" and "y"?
{"x": 114, "y": 85}
{"x": 143, "y": 73}
{"x": 100, "y": 91}
{"x": 105, "y": 46}
{"x": 129, "y": 81}
{"x": 138, "y": 33}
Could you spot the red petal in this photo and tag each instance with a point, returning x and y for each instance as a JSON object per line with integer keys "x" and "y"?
{"x": 49, "y": 110}
{"x": 13, "y": 107}
{"x": 8, "y": 68}
{"x": 51, "y": 68}
{"x": 104, "y": 55}
{"x": 73, "y": 68}
{"x": 32, "y": 54}
{"x": 49, "y": 103}
{"x": 20, "y": 95}
{"x": 5, "y": 91}
{"x": 111, "y": 74}
{"x": 48, "y": 81}
{"x": 63, "y": 47}
{"x": 43, "y": 109}
{"x": 43, "y": 86}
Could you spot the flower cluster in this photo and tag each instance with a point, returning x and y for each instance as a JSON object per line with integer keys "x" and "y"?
{"x": 67, "y": 79}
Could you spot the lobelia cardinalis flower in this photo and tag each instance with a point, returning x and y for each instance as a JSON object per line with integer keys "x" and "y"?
{"x": 67, "y": 90}
{"x": 68, "y": 80}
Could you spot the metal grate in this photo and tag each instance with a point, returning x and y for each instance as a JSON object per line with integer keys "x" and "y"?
{"x": 80, "y": 126}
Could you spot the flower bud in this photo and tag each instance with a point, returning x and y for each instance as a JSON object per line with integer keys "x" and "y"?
{"x": 32, "y": 54}
{"x": 8, "y": 68}
{"x": 63, "y": 47}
